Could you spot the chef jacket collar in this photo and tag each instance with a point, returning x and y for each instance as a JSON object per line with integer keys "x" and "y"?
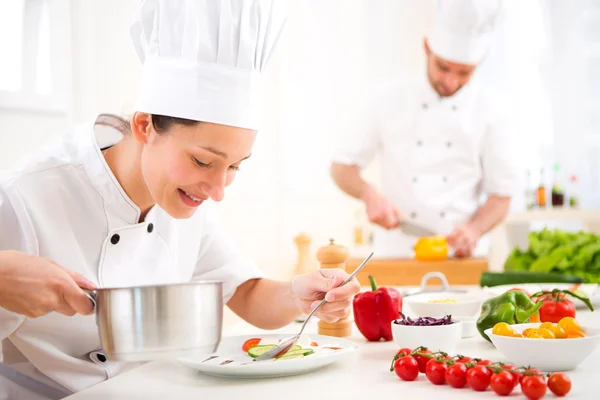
{"x": 104, "y": 132}
{"x": 459, "y": 99}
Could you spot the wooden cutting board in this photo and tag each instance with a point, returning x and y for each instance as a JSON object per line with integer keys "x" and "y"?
{"x": 408, "y": 272}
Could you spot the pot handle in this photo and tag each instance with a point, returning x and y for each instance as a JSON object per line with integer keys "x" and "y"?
{"x": 92, "y": 295}
{"x": 438, "y": 275}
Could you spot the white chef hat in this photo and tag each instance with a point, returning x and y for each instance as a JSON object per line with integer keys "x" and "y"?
{"x": 202, "y": 59}
{"x": 463, "y": 29}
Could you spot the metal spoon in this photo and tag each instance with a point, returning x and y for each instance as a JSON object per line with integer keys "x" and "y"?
{"x": 284, "y": 347}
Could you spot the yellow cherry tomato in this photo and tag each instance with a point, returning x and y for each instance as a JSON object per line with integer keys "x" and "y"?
{"x": 569, "y": 324}
{"x": 559, "y": 332}
{"x": 532, "y": 332}
{"x": 534, "y": 335}
{"x": 535, "y": 317}
{"x": 517, "y": 334}
{"x": 546, "y": 325}
{"x": 547, "y": 333}
{"x": 503, "y": 329}
{"x": 575, "y": 334}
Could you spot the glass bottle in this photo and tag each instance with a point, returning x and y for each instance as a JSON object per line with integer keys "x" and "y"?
{"x": 574, "y": 198}
{"x": 359, "y": 232}
{"x": 541, "y": 191}
{"x": 558, "y": 195}
{"x": 530, "y": 200}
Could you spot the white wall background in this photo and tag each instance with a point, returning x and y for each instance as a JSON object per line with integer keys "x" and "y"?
{"x": 331, "y": 50}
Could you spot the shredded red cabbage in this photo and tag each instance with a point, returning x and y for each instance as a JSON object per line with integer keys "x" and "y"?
{"x": 424, "y": 321}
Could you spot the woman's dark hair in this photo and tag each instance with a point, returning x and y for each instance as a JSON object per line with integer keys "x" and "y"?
{"x": 161, "y": 123}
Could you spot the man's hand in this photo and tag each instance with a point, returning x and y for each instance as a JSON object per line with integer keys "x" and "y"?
{"x": 310, "y": 288}
{"x": 35, "y": 286}
{"x": 464, "y": 240}
{"x": 380, "y": 210}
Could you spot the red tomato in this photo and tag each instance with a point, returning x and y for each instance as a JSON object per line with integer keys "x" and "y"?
{"x": 534, "y": 387}
{"x": 456, "y": 375}
{"x": 529, "y": 372}
{"x": 479, "y": 377}
{"x": 403, "y": 351}
{"x": 463, "y": 359}
{"x": 406, "y": 368}
{"x": 422, "y": 360}
{"x": 514, "y": 372}
{"x": 555, "y": 308}
{"x": 484, "y": 362}
{"x": 436, "y": 372}
{"x": 249, "y": 344}
{"x": 502, "y": 383}
{"x": 559, "y": 384}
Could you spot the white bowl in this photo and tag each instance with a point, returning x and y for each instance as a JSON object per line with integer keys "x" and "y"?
{"x": 425, "y": 305}
{"x": 436, "y": 338}
{"x": 469, "y": 325}
{"x": 548, "y": 355}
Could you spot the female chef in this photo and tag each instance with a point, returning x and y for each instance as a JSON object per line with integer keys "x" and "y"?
{"x": 118, "y": 203}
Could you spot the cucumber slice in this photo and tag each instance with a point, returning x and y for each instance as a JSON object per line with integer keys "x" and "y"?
{"x": 260, "y": 349}
{"x": 263, "y": 348}
{"x": 289, "y": 356}
{"x": 304, "y": 352}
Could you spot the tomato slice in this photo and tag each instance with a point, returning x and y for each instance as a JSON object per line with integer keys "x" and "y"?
{"x": 248, "y": 344}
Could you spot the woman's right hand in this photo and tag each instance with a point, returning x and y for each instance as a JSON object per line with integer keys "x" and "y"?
{"x": 35, "y": 286}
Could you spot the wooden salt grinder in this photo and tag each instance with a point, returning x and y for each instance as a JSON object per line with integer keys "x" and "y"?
{"x": 334, "y": 256}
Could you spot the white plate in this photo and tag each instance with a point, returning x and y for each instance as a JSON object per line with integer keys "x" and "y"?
{"x": 243, "y": 366}
{"x": 590, "y": 289}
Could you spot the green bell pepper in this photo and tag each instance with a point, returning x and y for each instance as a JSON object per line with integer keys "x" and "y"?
{"x": 512, "y": 307}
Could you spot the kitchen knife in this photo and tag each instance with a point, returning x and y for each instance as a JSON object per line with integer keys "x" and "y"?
{"x": 412, "y": 229}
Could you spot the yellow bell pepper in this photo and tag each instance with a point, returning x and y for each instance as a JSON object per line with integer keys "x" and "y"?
{"x": 431, "y": 248}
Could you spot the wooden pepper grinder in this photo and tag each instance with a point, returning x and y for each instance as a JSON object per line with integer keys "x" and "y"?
{"x": 334, "y": 256}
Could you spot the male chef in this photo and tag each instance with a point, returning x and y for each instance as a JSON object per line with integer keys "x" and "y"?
{"x": 443, "y": 140}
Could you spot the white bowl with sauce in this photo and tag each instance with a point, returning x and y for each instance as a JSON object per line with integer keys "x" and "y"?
{"x": 440, "y": 304}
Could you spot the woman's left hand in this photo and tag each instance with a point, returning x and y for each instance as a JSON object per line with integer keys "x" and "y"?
{"x": 310, "y": 288}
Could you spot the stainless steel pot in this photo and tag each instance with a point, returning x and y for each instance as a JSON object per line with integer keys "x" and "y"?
{"x": 159, "y": 322}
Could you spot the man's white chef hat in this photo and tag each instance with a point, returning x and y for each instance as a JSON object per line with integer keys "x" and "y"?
{"x": 202, "y": 59}
{"x": 463, "y": 29}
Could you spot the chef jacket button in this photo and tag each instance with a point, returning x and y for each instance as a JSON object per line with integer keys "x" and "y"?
{"x": 150, "y": 227}
{"x": 445, "y": 179}
{"x": 442, "y": 214}
{"x": 449, "y": 144}
{"x": 115, "y": 238}
{"x": 424, "y": 106}
{"x": 414, "y": 179}
{"x": 419, "y": 143}
{"x": 413, "y": 215}
{"x": 453, "y": 108}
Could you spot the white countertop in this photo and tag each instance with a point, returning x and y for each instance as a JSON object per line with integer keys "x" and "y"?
{"x": 364, "y": 375}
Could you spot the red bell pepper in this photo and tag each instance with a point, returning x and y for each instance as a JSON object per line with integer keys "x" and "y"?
{"x": 375, "y": 310}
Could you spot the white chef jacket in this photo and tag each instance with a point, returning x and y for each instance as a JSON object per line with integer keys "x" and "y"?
{"x": 66, "y": 205}
{"x": 438, "y": 155}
